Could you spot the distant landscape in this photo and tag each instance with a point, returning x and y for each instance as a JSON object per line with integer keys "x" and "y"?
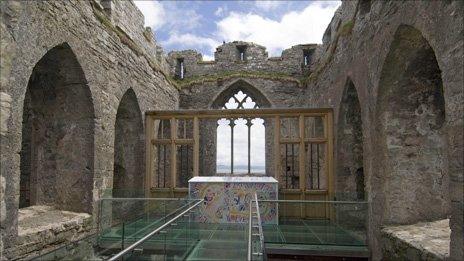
{"x": 240, "y": 169}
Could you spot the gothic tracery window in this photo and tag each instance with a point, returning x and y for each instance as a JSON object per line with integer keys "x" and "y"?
{"x": 240, "y": 141}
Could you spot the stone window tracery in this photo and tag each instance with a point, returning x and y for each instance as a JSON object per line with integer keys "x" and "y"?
{"x": 233, "y": 134}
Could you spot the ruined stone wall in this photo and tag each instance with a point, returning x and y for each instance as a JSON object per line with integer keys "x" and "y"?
{"x": 401, "y": 57}
{"x": 227, "y": 60}
{"x": 404, "y": 60}
{"x": 215, "y": 93}
{"x": 125, "y": 15}
{"x": 113, "y": 52}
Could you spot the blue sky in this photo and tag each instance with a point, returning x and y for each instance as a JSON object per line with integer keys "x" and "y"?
{"x": 203, "y": 25}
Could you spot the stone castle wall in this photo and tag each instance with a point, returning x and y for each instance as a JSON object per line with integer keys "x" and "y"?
{"x": 410, "y": 131}
{"x": 368, "y": 45}
{"x": 267, "y": 93}
{"x": 411, "y": 150}
{"x": 227, "y": 59}
{"x": 104, "y": 42}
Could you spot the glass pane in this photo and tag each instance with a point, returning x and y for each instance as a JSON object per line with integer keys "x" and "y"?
{"x": 223, "y": 161}
{"x": 290, "y": 176}
{"x": 184, "y": 165}
{"x": 240, "y": 146}
{"x": 162, "y": 166}
{"x": 258, "y": 146}
{"x": 163, "y": 129}
{"x": 314, "y": 127}
{"x": 185, "y": 128}
{"x": 315, "y": 167}
{"x": 289, "y": 128}
{"x": 297, "y": 225}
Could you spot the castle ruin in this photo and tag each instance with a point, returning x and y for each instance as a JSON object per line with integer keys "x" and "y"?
{"x": 80, "y": 79}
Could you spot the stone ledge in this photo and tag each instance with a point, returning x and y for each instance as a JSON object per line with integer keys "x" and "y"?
{"x": 421, "y": 241}
{"x": 43, "y": 228}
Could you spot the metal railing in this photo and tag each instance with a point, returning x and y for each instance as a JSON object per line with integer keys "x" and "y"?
{"x": 100, "y": 218}
{"x": 260, "y": 235}
{"x": 154, "y": 232}
{"x": 313, "y": 201}
{"x": 250, "y": 228}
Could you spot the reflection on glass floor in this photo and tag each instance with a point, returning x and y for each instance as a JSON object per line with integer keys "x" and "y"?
{"x": 168, "y": 230}
{"x": 186, "y": 241}
{"x": 229, "y": 241}
{"x": 310, "y": 232}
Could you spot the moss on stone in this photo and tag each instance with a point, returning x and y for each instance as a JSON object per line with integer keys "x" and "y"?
{"x": 346, "y": 28}
{"x": 147, "y": 33}
{"x": 206, "y": 62}
{"x": 227, "y": 75}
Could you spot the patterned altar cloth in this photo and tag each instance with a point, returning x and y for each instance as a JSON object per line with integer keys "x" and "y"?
{"x": 227, "y": 199}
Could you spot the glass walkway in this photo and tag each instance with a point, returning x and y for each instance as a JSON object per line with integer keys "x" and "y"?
{"x": 167, "y": 229}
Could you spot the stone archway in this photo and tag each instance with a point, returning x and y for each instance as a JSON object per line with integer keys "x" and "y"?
{"x": 128, "y": 148}
{"x": 240, "y": 85}
{"x": 350, "y": 170}
{"x": 208, "y": 140}
{"x": 57, "y": 150}
{"x": 410, "y": 115}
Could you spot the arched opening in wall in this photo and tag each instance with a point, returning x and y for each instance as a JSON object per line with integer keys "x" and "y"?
{"x": 239, "y": 95}
{"x": 412, "y": 139}
{"x": 128, "y": 178}
{"x": 241, "y": 142}
{"x": 57, "y": 150}
{"x": 349, "y": 175}
{"x": 350, "y": 170}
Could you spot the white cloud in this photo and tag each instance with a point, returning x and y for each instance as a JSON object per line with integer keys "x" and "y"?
{"x": 296, "y": 27}
{"x": 154, "y": 13}
{"x": 168, "y": 15}
{"x": 191, "y": 41}
{"x": 180, "y": 19}
{"x": 208, "y": 57}
{"x": 268, "y": 5}
{"x": 219, "y": 11}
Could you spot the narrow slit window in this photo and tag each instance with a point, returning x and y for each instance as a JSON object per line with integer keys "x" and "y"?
{"x": 307, "y": 54}
{"x": 180, "y": 68}
{"x": 241, "y": 53}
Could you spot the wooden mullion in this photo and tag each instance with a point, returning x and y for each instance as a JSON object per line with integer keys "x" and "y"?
{"x": 184, "y": 141}
{"x": 149, "y": 156}
{"x": 173, "y": 153}
{"x": 161, "y": 141}
{"x": 301, "y": 154}
{"x": 315, "y": 140}
{"x": 329, "y": 159}
{"x": 240, "y": 113}
{"x": 277, "y": 148}
{"x": 301, "y": 163}
{"x": 290, "y": 141}
{"x": 196, "y": 147}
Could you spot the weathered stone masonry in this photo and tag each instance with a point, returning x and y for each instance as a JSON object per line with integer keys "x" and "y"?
{"x": 380, "y": 46}
{"x": 394, "y": 75}
{"x": 71, "y": 63}
{"x": 82, "y": 73}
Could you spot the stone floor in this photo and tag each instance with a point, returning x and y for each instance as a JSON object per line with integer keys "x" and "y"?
{"x": 429, "y": 240}
{"x": 41, "y": 228}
